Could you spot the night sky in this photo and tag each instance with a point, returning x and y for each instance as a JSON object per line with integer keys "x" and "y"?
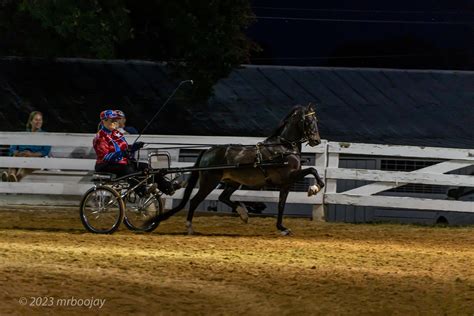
{"x": 423, "y": 34}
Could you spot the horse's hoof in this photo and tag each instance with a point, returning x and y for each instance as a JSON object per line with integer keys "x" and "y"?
{"x": 243, "y": 213}
{"x": 189, "y": 228}
{"x": 313, "y": 190}
{"x": 286, "y": 232}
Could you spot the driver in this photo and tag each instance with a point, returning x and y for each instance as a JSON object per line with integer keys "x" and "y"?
{"x": 114, "y": 154}
{"x": 113, "y": 151}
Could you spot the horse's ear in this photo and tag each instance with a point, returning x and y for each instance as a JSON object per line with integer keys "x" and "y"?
{"x": 311, "y": 107}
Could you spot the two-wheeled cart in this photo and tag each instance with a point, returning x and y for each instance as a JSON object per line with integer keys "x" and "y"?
{"x": 113, "y": 200}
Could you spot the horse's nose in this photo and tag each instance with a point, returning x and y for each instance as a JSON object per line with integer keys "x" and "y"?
{"x": 314, "y": 141}
{"x": 317, "y": 139}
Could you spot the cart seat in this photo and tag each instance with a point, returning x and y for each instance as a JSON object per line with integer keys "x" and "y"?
{"x": 103, "y": 176}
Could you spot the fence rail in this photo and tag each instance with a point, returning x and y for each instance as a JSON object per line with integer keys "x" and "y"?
{"x": 327, "y": 157}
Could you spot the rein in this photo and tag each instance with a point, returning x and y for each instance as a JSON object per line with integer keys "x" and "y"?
{"x": 282, "y": 141}
{"x": 285, "y": 142}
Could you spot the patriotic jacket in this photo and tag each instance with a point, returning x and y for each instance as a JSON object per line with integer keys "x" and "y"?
{"x": 110, "y": 146}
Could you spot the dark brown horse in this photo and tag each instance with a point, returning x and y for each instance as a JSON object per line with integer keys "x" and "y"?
{"x": 276, "y": 162}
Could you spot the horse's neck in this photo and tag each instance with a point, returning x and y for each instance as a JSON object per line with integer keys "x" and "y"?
{"x": 288, "y": 134}
{"x": 282, "y": 144}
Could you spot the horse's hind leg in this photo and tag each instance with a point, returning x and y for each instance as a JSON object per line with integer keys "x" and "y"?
{"x": 207, "y": 182}
{"x": 230, "y": 188}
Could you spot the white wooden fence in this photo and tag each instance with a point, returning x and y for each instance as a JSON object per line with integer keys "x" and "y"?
{"x": 52, "y": 186}
{"x": 385, "y": 180}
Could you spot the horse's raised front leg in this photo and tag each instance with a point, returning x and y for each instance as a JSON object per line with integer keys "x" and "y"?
{"x": 300, "y": 174}
{"x": 281, "y": 207}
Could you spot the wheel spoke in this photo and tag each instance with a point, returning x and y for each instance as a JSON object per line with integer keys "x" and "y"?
{"x": 139, "y": 210}
{"x": 101, "y": 210}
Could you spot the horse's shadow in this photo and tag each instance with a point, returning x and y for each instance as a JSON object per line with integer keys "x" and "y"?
{"x": 199, "y": 234}
{"x": 80, "y": 231}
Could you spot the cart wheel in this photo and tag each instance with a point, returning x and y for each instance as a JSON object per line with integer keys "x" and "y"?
{"x": 101, "y": 210}
{"x": 138, "y": 210}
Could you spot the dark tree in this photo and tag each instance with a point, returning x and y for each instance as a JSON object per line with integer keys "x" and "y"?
{"x": 200, "y": 40}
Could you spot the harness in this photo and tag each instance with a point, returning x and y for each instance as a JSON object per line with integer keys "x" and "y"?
{"x": 259, "y": 161}
{"x": 295, "y": 149}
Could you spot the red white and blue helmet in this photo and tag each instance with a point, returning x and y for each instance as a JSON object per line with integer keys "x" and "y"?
{"x": 108, "y": 114}
{"x": 120, "y": 113}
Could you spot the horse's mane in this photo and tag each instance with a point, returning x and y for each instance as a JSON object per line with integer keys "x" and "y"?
{"x": 283, "y": 123}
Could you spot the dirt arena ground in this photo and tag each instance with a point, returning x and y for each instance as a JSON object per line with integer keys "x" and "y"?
{"x": 231, "y": 268}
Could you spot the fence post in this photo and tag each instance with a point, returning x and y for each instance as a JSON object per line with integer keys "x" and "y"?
{"x": 331, "y": 160}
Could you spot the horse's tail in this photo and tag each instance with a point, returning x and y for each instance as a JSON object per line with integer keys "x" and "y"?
{"x": 187, "y": 193}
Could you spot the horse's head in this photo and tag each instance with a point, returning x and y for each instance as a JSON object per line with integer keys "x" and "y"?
{"x": 299, "y": 126}
{"x": 310, "y": 125}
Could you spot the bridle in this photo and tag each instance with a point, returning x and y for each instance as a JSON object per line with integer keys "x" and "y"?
{"x": 306, "y": 132}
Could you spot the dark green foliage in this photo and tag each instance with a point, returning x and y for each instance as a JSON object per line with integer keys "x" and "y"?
{"x": 200, "y": 40}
